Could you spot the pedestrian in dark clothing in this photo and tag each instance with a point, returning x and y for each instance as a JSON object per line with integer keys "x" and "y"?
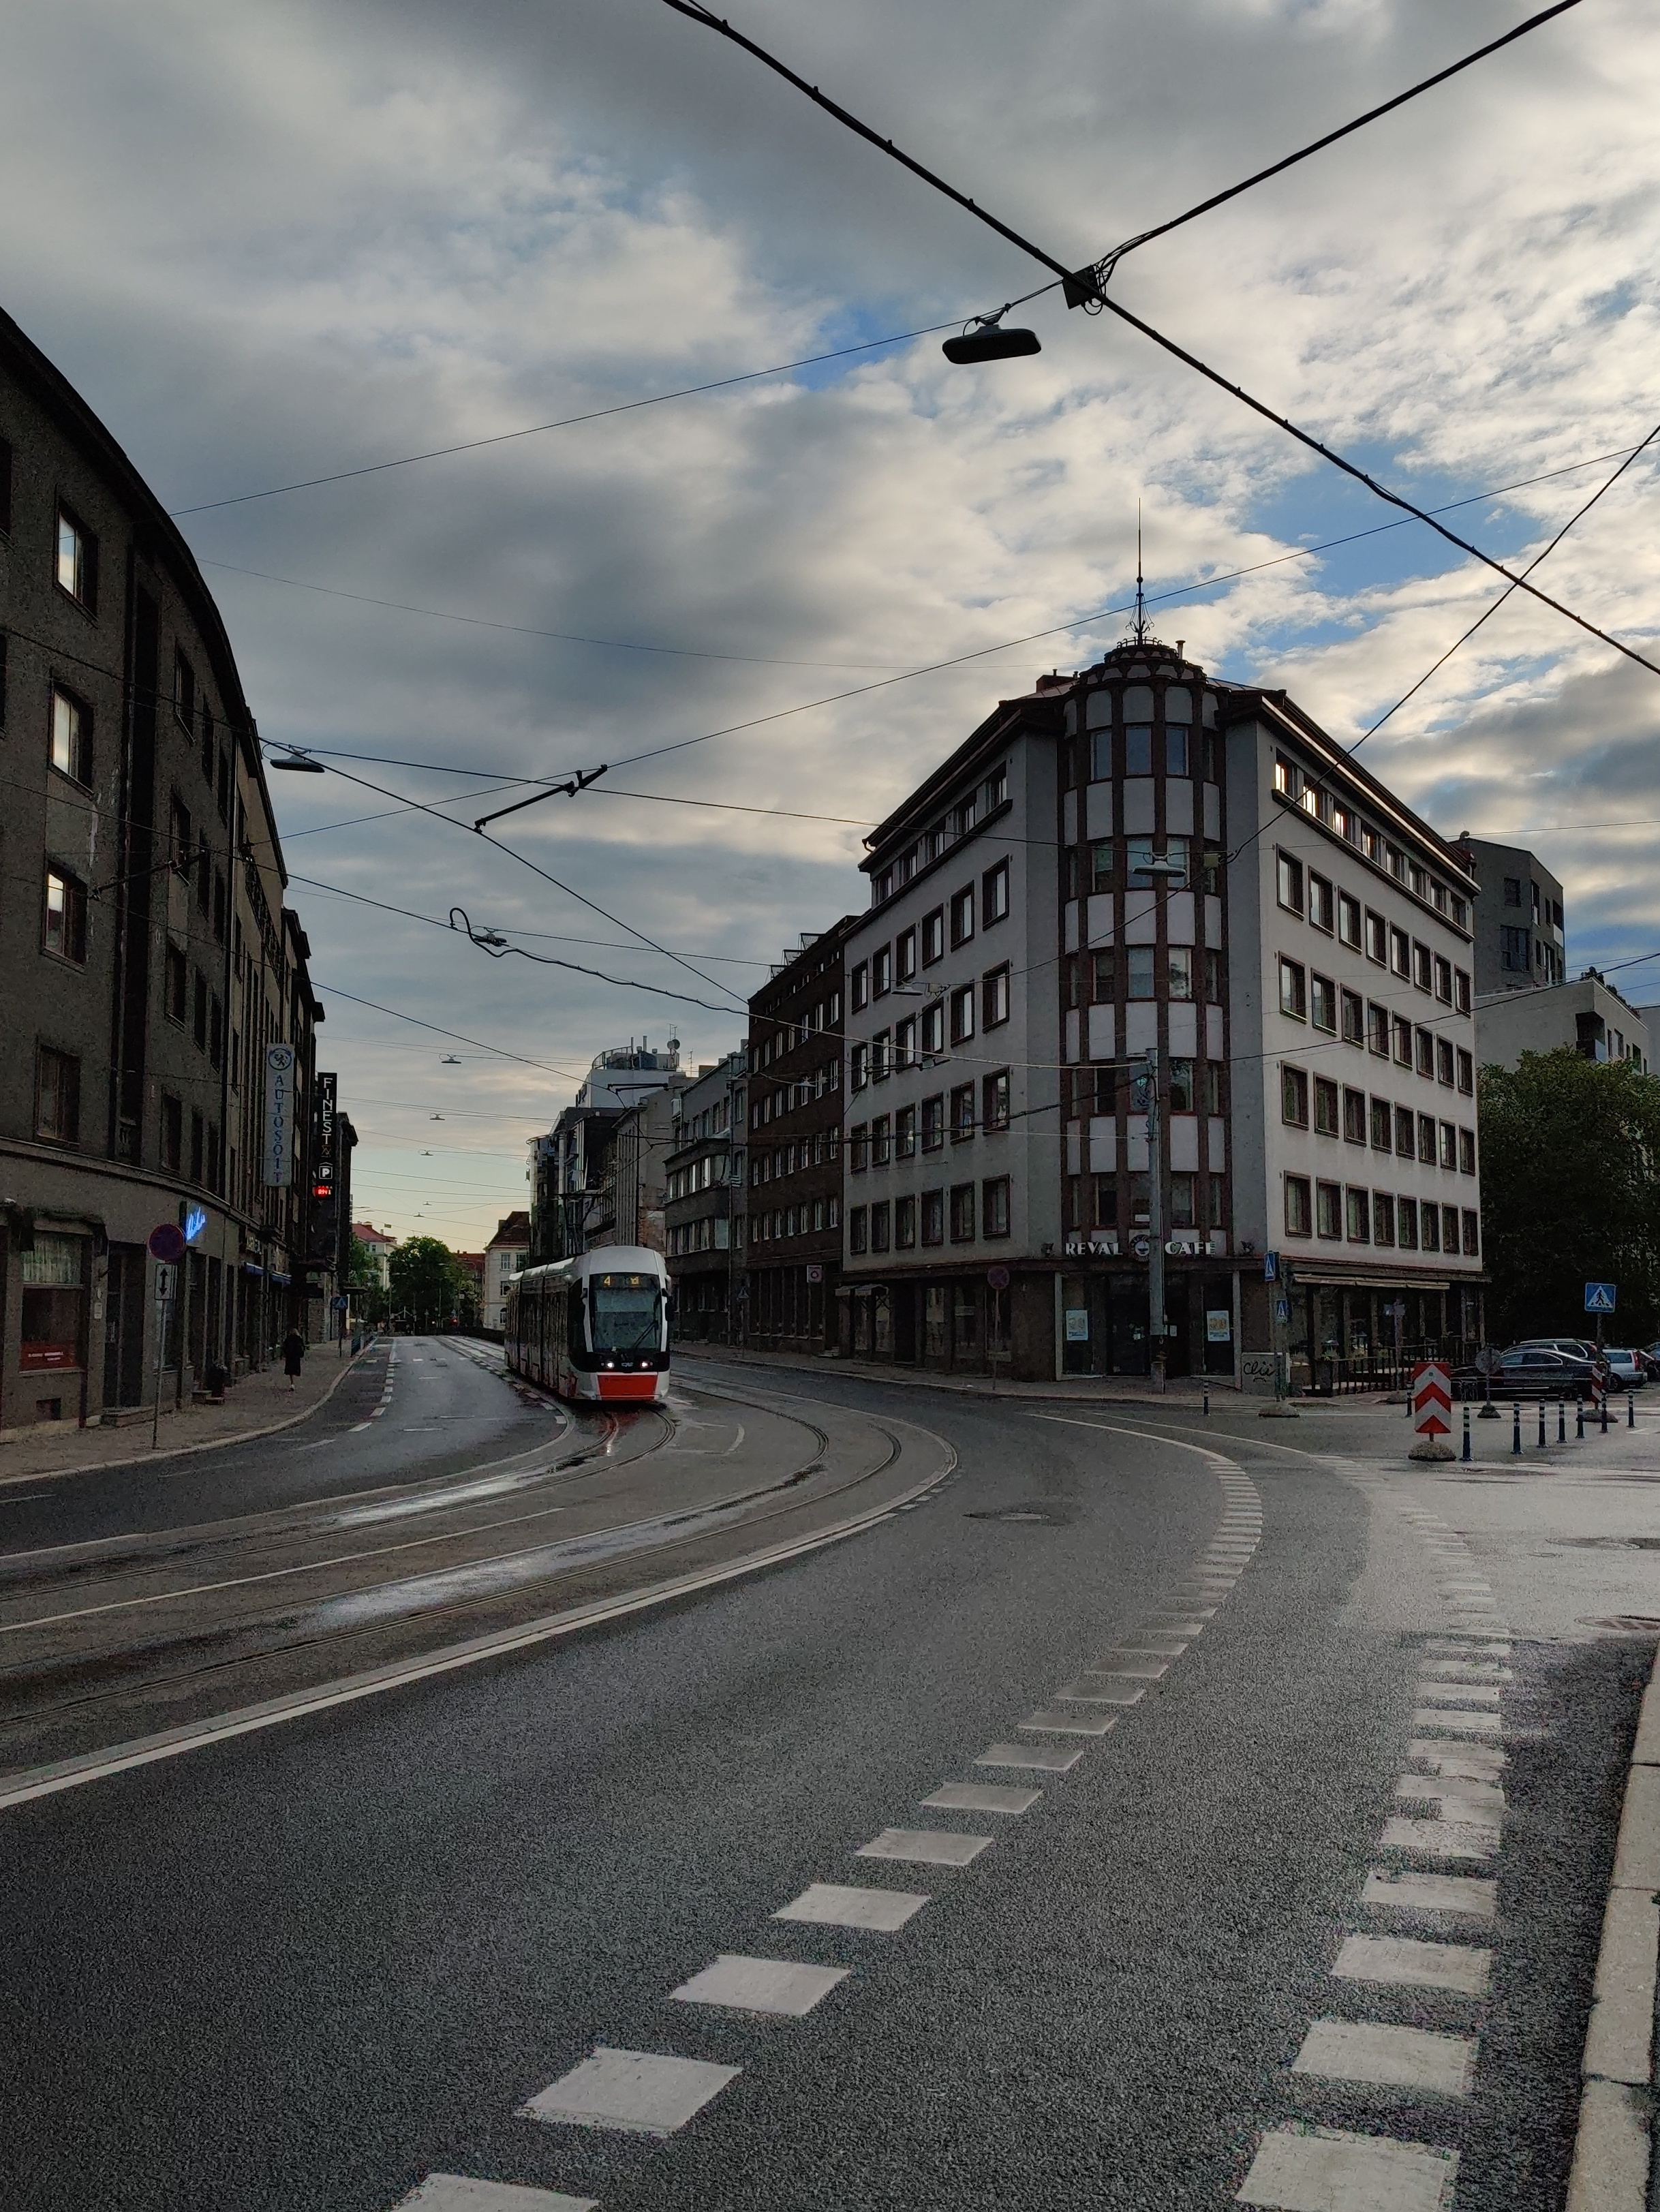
{"x": 294, "y": 1355}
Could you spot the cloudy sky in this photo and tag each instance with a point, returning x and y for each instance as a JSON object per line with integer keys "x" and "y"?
{"x": 273, "y": 242}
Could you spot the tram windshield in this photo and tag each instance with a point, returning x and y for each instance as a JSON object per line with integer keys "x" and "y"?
{"x": 623, "y": 1313}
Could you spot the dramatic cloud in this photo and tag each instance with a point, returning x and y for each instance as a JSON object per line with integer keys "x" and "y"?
{"x": 292, "y": 240}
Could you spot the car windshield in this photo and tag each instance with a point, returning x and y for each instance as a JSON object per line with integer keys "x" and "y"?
{"x": 623, "y": 1313}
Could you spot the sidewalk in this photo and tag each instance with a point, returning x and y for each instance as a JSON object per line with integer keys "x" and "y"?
{"x": 257, "y": 1406}
{"x": 1185, "y": 1390}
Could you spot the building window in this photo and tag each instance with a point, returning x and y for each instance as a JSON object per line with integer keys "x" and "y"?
{"x": 904, "y": 951}
{"x": 1400, "y": 1030}
{"x": 879, "y": 1225}
{"x": 881, "y": 971}
{"x": 184, "y": 691}
{"x": 1449, "y": 1145}
{"x": 1443, "y": 1061}
{"x": 1443, "y": 979}
{"x": 71, "y": 736}
{"x": 1294, "y": 1098}
{"x": 1472, "y": 1233}
{"x": 172, "y": 1132}
{"x": 961, "y": 1113}
{"x": 1178, "y": 964}
{"x": 904, "y": 1134}
{"x": 1512, "y": 890}
{"x": 858, "y": 1151}
{"x": 1354, "y": 1019}
{"x": 65, "y": 927}
{"x": 1299, "y": 1221}
{"x": 1138, "y": 749}
{"x": 933, "y": 936}
{"x": 1383, "y": 1218}
{"x": 1105, "y": 975}
{"x": 1461, "y": 990}
{"x": 1213, "y": 978}
{"x": 1348, "y": 919}
{"x": 1321, "y": 903}
{"x": 1293, "y": 989}
{"x": 1465, "y": 1072}
{"x": 1139, "y": 964}
{"x": 1325, "y": 1106}
{"x": 1425, "y": 1054}
{"x": 1421, "y": 966}
{"x": 904, "y": 1223}
{"x": 860, "y": 990}
{"x": 177, "y": 984}
{"x": 1426, "y": 1139}
{"x": 1377, "y": 1029}
{"x": 995, "y": 1100}
{"x": 1355, "y": 1116}
{"x": 1377, "y": 939}
{"x": 1406, "y": 1134}
{"x": 1327, "y": 1209}
{"x": 904, "y": 1043}
{"x": 859, "y": 1073}
{"x": 1106, "y": 1201}
{"x": 962, "y": 915}
{"x": 858, "y": 1229}
{"x": 962, "y": 1214}
{"x": 881, "y": 1142}
{"x": 1513, "y": 950}
{"x": 1406, "y": 1224}
{"x": 76, "y": 569}
{"x": 1401, "y": 953}
{"x": 933, "y": 1217}
{"x": 57, "y": 1095}
{"x": 199, "y": 1011}
{"x": 1467, "y": 1151}
{"x": 994, "y": 998}
{"x": 994, "y": 893}
{"x": 1100, "y": 865}
{"x": 1429, "y": 1226}
{"x": 933, "y": 1027}
{"x": 962, "y": 1014}
{"x": 1323, "y": 1003}
{"x": 1383, "y": 1126}
{"x": 934, "y": 1122}
{"x": 995, "y": 1207}
{"x": 1181, "y": 1200}
{"x": 1359, "y": 1217}
{"x": 1181, "y": 1086}
{"x": 881, "y": 1062}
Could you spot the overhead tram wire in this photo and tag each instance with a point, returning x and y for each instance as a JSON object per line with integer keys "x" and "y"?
{"x": 1083, "y": 289}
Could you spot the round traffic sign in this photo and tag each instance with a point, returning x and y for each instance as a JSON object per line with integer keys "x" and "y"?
{"x": 166, "y": 1241}
{"x": 997, "y": 1278}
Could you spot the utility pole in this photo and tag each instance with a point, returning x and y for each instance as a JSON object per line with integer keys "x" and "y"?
{"x": 1155, "y": 1221}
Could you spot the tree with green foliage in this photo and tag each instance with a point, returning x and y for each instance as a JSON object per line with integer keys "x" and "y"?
{"x": 1570, "y": 1195}
{"x": 429, "y": 1285}
{"x": 367, "y": 1292}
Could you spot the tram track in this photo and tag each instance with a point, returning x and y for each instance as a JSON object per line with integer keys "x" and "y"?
{"x": 66, "y": 1694}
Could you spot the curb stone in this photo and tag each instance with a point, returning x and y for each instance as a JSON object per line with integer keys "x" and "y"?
{"x": 1612, "y": 2150}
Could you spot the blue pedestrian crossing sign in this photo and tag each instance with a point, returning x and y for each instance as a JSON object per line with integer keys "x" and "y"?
{"x": 1599, "y": 1297}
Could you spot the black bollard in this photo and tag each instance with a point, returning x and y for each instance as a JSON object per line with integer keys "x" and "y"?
{"x": 1579, "y": 1420}
{"x": 1466, "y": 1452}
{"x": 1208, "y": 1405}
{"x": 1542, "y": 1424}
{"x": 1605, "y": 1412}
{"x": 1631, "y": 1409}
{"x": 1515, "y": 1425}
{"x": 1561, "y": 1420}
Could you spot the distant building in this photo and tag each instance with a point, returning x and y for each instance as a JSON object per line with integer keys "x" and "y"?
{"x": 476, "y": 1265}
{"x": 631, "y": 1207}
{"x": 568, "y": 1166}
{"x": 507, "y": 1253}
{"x": 1589, "y": 1018}
{"x": 380, "y": 1244}
{"x": 703, "y": 1202}
{"x": 1519, "y": 930}
{"x": 795, "y": 1166}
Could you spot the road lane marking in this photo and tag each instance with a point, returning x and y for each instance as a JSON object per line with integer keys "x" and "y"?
{"x": 1393, "y": 2057}
{"x": 1050, "y": 1720}
{"x": 925, "y": 1847}
{"x": 455, "y": 2193}
{"x": 1455, "y": 1800}
{"x": 1040, "y": 1758}
{"x": 979, "y": 1797}
{"x": 1466, "y": 1670}
{"x": 637, "y": 2092}
{"x": 1440, "y": 1839}
{"x": 1476, "y": 1896}
{"x": 1469, "y": 1762}
{"x": 842, "y": 1905}
{"x": 1102, "y": 1690}
{"x": 1398, "y": 1962}
{"x": 1188, "y": 1622}
{"x": 1324, "y": 2170}
{"x": 1430, "y": 1718}
{"x": 784, "y": 1986}
{"x": 1128, "y": 1667}
{"x": 1157, "y": 1647}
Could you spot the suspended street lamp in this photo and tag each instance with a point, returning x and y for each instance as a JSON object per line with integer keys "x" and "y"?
{"x": 983, "y": 338}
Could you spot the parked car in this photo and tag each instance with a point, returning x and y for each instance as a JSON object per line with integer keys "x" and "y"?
{"x": 1539, "y": 1370}
{"x": 1572, "y": 1347}
{"x": 1627, "y": 1367}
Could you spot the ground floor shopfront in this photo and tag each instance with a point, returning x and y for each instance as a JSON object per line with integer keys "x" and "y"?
{"x": 706, "y": 1299}
{"x": 82, "y": 1335}
{"x": 1345, "y": 1329}
{"x": 791, "y": 1309}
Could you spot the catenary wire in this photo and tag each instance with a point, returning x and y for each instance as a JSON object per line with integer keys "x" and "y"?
{"x": 1082, "y": 290}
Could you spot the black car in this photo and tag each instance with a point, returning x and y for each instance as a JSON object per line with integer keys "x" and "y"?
{"x": 1534, "y": 1371}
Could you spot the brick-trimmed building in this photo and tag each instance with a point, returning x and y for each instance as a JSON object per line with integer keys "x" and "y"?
{"x": 795, "y": 1170}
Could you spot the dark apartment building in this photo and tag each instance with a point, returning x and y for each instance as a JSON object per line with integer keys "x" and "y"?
{"x": 704, "y": 1214}
{"x": 795, "y": 1101}
{"x": 160, "y": 1022}
{"x": 1520, "y": 934}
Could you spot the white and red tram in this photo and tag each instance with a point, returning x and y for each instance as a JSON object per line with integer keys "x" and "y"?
{"x": 594, "y": 1328}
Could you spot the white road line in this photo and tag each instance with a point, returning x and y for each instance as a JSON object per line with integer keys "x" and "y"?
{"x": 1127, "y": 1666}
{"x": 1430, "y": 1718}
{"x": 1393, "y": 2057}
{"x": 1188, "y": 1621}
{"x": 1039, "y": 1758}
{"x": 784, "y": 1986}
{"x": 1102, "y": 1690}
{"x": 839, "y": 1904}
{"x": 1466, "y": 1670}
{"x": 637, "y": 2092}
{"x": 1469, "y": 1762}
{"x": 1323, "y": 2170}
{"x": 455, "y": 2193}
{"x": 1475, "y": 1896}
{"x": 1454, "y": 1800}
{"x": 1076, "y": 1720}
{"x": 1398, "y": 1962}
{"x": 925, "y": 1847}
{"x": 1157, "y": 1647}
{"x": 1460, "y": 1693}
{"x": 1440, "y": 1839}
{"x": 979, "y": 1797}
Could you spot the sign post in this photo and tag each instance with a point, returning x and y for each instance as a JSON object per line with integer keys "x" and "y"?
{"x": 166, "y": 1248}
{"x": 1431, "y": 1410}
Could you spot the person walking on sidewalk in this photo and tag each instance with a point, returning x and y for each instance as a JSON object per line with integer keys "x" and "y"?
{"x": 294, "y": 1356}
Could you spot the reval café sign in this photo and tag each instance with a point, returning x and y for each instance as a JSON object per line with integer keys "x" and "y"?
{"x": 279, "y": 1116}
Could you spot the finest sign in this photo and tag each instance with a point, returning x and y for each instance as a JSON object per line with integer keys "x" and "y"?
{"x": 279, "y": 1116}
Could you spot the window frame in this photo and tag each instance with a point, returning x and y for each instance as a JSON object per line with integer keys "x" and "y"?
{"x": 71, "y": 948}
{"x": 995, "y": 895}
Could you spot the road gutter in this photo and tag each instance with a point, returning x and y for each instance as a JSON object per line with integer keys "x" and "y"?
{"x": 247, "y": 1720}
{"x": 1613, "y": 2148}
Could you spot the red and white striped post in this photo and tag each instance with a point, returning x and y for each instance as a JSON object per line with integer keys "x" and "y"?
{"x": 1431, "y": 1411}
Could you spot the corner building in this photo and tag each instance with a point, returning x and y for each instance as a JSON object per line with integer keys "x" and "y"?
{"x": 1138, "y": 875}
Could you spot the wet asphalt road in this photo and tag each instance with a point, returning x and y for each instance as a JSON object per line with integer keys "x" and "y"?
{"x": 303, "y": 1969}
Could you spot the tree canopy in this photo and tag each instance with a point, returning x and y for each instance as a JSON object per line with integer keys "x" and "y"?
{"x": 1570, "y": 1195}
{"x": 428, "y": 1283}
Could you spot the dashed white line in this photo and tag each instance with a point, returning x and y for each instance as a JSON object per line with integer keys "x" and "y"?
{"x": 979, "y": 1797}
{"x": 925, "y": 1847}
{"x": 1393, "y": 2057}
{"x": 1441, "y": 1838}
{"x": 1398, "y": 1962}
{"x": 1475, "y": 1896}
{"x": 1324, "y": 2170}
{"x": 456, "y": 2192}
{"x": 1039, "y": 1757}
{"x": 1468, "y": 1762}
{"x": 1102, "y": 1690}
{"x": 635, "y": 2092}
{"x": 784, "y": 1986}
{"x": 838, "y": 1904}
{"x": 1075, "y": 1720}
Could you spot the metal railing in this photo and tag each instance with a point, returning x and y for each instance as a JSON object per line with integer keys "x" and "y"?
{"x": 1351, "y": 1374}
